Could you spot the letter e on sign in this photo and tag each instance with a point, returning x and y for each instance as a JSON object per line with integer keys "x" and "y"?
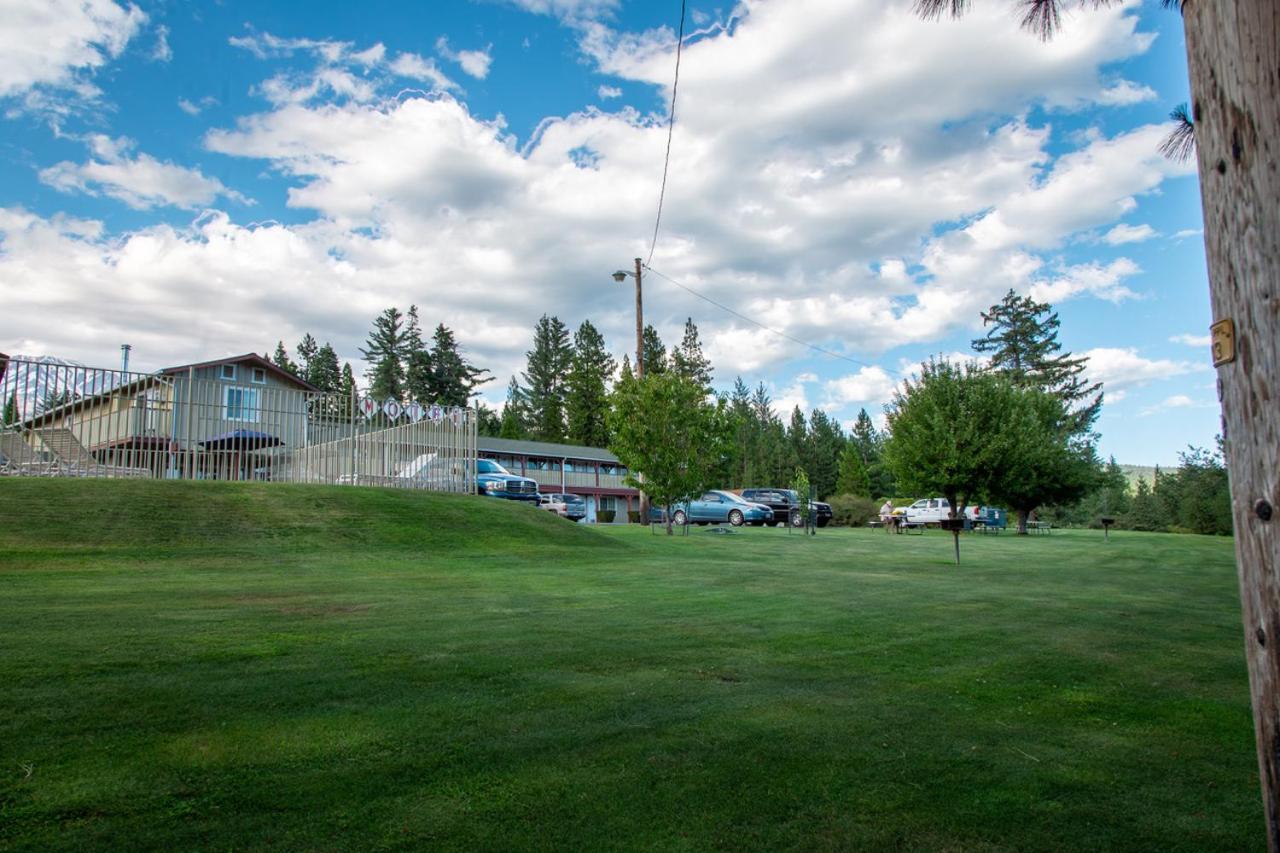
{"x": 1223, "y": 337}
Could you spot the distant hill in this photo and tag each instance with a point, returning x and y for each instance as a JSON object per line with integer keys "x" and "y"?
{"x": 1146, "y": 472}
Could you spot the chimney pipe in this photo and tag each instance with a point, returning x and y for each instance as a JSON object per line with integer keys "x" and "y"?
{"x": 124, "y": 357}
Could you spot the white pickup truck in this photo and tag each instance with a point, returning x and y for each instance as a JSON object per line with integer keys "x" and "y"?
{"x": 934, "y": 510}
{"x": 927, "y": 511}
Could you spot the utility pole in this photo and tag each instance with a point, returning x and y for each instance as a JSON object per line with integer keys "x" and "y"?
{"x": 621, "y": 276}
{"x": 639, "y": 326}
{"x": 644, "y": 499}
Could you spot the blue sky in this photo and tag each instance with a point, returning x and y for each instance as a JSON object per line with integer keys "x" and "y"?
{"x": 204, "y": 179}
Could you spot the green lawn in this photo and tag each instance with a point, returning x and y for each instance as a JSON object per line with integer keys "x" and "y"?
{"x": 219, "y": 666}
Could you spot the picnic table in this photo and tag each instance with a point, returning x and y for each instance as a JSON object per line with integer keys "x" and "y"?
{"x": 1039, "y": 527}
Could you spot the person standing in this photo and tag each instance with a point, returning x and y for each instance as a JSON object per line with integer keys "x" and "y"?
{"x": 886, "y": 515}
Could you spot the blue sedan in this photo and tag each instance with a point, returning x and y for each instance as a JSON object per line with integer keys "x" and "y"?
{"x": 719, "y": 507}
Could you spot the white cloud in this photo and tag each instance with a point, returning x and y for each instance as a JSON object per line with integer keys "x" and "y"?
{"x": 607, "y": 92}
{"x": 1104, "y": 281}
{"x": 1125, "y": 233}
{"x": 1121, "y": 369}
{"x": 162, "y": 52}
{"x": 474, "y": 62}
{"x": 60, "y": 43}
{"x": 1192, "y": 340}
{"x": 880, "y": 191}
{"x": 415, "y": 67}
{"x": 1125, "y": 93}
{"x": 1188, "y": 232}
{"x": 141, "y": 182}
{"x": 869, "y": 385}
{"x": 194, "y": 108}
{"x": 1177, "y": 401}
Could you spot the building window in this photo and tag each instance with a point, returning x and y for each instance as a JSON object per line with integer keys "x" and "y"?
{"x": 227, "y": 372}
{"x": 259, "y": 376}
{"x": 242, "y": 404}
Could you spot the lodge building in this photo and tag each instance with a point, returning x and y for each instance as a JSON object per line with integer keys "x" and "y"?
{"x": 591, "y": 472}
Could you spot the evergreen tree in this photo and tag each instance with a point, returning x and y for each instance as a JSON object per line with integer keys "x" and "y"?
{"x": 441, "y": 374}
{"x": 514, "y": 417}
{"x": 323, "y": 371}
{"x": 10, "y": 416}
{"x": 865, "y": 438}
{"x": 826, "y": 443}
{"x": 587, "y": 401}
{"x": 853, "y": 479}
{"x": 687, "y": 358}
{"x": 1023, "y": 343}
{"x": 487, "y": 421}
{"x": 307, "y": 349}
{"x": 798, "y": 438}
{"x": 1145, "y": 512}
{"x": 742, "y": 423}
{"x": 655, "y": 353}
{"x": 384, "y": 351}
{"x": 544, "y": 386}
{"x": 348, "y": 386}
{"x": 281, "y": 360}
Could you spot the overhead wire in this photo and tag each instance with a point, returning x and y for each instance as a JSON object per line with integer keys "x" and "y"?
{"x": 671, "y": 127}
{"x": 657, "y": 223}
{"x": 768, "y": 329}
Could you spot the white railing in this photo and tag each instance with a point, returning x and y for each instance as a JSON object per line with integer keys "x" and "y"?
{"x": 246, "y": 423}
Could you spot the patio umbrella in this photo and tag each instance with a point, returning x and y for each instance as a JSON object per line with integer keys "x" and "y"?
{"x": 240, "y": 441}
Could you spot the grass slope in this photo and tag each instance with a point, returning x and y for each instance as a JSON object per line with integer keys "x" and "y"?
{"x": 222, "y": 666}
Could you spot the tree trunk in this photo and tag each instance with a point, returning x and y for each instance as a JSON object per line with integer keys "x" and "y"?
{"x": 1023, "y": 515}
{"x": 1233, "y": 54}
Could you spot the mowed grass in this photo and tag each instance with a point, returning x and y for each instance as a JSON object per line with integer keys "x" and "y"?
{"x": 221, "y": 666}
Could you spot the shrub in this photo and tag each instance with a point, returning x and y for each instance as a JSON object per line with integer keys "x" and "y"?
{"x": 606, "y": 516}
{"x": 633, "y": 516}
{"x": 853, "y": 510}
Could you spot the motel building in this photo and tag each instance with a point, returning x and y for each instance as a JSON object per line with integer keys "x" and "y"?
{"x": 595, "y": 474}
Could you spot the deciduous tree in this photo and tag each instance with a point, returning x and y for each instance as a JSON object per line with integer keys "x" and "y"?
{"x": 664, "y": 429}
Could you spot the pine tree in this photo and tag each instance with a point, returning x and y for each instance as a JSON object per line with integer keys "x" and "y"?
{"x": 853, "y": 478}
{"x": 1023, "y": 342}
{"x": 281, "y": 360}
{"x": 798, "y": 438}
{"x": 655, "y": 354}
{"x": 384, "y": 351}
{"x": 588, "y": 399}
{"x": 514, "y": 417}
{"x": 306, "y": 352}
{"x": 348, "y": 386}
{"x": 452, "y": 380}
{"x": 687, "y": 358}
{"x": 544, "y": 379}
{"x": 865, "y": 438}
{"x": 10, "y": 416}
{"x": 826, "y": 443}
{"x": 323, "y": 371}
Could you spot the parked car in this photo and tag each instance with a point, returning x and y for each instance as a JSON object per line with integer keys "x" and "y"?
{"x": 785, "y": 504}
{"x": 717, "y": 507}
{"x": 497, "y": 482}
{"x": 552, "y": 503}
{"x": 572, "y": 507}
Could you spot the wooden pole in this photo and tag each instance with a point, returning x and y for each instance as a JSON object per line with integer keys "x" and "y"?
{"x": 644, "y": 499}
{"x": 1233, "y": 52}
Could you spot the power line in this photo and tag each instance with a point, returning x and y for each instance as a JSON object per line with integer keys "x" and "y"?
{"x": 671, "y": 127}
{"x": 769, "y": 329}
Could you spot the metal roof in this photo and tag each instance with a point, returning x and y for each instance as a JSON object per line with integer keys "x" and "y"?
{"x": 545, "y": 448}
{"x": 252, "y": 358}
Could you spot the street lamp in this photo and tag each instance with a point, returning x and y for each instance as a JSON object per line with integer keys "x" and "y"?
{"x": 620, "y": 276}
